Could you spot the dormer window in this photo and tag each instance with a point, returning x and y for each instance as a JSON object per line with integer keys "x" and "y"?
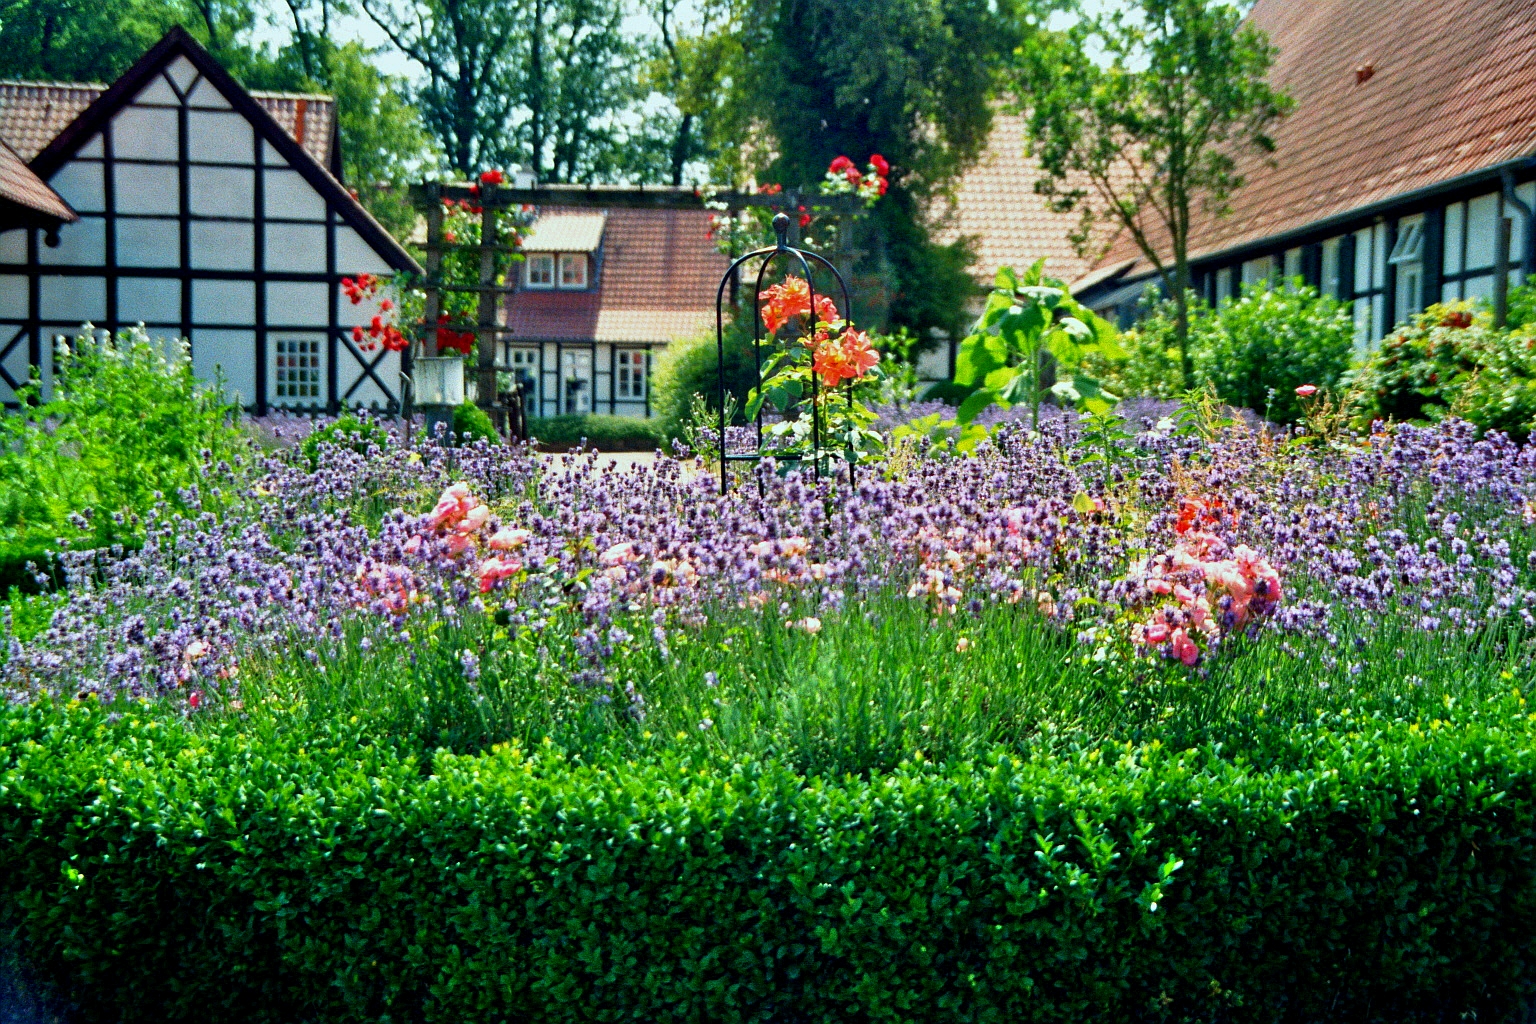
{"x": 540, "y": 270}
{"x": 573, "y": 270}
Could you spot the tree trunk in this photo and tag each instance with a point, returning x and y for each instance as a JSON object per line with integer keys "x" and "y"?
{"x": 1181, "y": 316}
{"x": 536, "y": 92}
{"x": 680, "y": 148}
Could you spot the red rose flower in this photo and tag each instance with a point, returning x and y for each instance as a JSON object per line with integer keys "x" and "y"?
{"x": 878, "y": 162}
{"x": 492, "y": 177}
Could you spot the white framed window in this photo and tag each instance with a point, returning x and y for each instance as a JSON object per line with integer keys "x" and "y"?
{"x": 629, "y": 378}
{"x": 539, "y": 270}
{"x": 300, "y": 365}
{"x": 1259, "y": 271}
{"x": 1223, "y": 284}
{"x": 1293, "y": 267}
{"x": 1407, "y": 259}
{"x": 1370, "y": 286}
{"x": 1332, "y": 282}
{"x": 573, "y": 270}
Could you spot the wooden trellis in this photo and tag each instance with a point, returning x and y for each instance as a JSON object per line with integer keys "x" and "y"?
{"x": 493, "y": 200}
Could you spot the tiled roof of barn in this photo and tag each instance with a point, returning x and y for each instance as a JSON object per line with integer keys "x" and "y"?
{"x": 658, "y": 282}
{"x": 996, "y": 205}
{"x": 1451, "y": 91}
{"x": 33, "y": 113}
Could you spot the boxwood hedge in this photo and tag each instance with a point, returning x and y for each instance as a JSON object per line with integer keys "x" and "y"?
{"x": 1354, "y": 871}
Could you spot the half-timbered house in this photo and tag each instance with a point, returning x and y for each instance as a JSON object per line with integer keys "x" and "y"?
{"x": 205, "y": 212}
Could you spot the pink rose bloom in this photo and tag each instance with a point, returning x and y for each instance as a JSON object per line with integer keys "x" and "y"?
{"x": 1160, "y": 586}
{"x": 458, "y": 543}
{"x": 624, "y": 552}
{"x": 474, "y": 518}
{"x": 1307, "y": 390}
{"x": 413, "y": 545}
{"x": 1183, "y": 594}
{"x": 1156, "y": 633}
{"x": 509, "y": 539}
{"x": 1184, "y": 648}
{"x": 493, "y": 570}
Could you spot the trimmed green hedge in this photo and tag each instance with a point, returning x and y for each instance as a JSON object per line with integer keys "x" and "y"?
{"x": 605, "y": 433}
{"x": 1369, "y": 872}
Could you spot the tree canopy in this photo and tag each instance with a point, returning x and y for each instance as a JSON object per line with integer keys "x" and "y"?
{"x": 1138, "y": 117}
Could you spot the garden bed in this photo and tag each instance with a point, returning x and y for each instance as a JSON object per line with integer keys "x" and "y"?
{"x": 1200, "y": 721}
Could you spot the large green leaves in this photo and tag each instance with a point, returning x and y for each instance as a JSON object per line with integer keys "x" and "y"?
{"x": 1028, "y": 317}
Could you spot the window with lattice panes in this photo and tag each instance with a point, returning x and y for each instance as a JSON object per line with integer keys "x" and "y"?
{"x": 629, "y": 380}
{"x": 539, "y": 271}
{"x": 573, "y": 270}
{"x": 524, "y": 366}
{"x": 298, "y": 371}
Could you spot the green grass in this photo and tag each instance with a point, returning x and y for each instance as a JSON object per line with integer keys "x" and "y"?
{"x": 881, "y": 683}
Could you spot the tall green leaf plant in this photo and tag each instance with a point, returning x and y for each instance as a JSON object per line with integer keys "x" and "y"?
{"x": 1029, "y": 322}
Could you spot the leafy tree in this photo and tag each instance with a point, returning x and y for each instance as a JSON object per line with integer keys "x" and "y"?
{"x": 97, "y": 40}
{"x": 584, "y": 81}
{"x": 909, "y": 79}
{"x": 467, "y": 49}
{"x": 384, "y": 144}
{"x": 1139, "y": 117}
{"x": 699, "y": 45}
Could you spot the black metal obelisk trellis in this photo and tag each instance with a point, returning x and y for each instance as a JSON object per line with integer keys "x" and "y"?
{"x": 768, "y": 255}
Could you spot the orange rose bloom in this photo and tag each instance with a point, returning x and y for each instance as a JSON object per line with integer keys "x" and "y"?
{"x": 783, "y": 302}
{"x": 848, "y": 357}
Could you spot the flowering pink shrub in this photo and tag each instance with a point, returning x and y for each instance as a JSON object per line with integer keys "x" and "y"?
{"x": 1197, "y": 597}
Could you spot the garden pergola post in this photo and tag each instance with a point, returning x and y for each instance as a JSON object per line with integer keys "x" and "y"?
{"x": 486, "y": 333}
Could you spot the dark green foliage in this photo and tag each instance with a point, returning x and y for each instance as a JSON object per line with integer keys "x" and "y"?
{"x": 473, "y": 423}
{"x": 1260, "y": 348}
{"x": 127, "y": 428}
{"x": 605, "y": 433}
{"x": 346, "y": 431}
{"x": 1360, "y": 870}
{"x": 908, "y": 79}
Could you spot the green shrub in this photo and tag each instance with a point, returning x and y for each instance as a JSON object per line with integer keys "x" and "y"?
{"x": 472, "y": 423}
{"x": 1522, "y": 304}
{"x": 127, "y": 427}
{"x": 1151, "y": 367}
{"x": 1357, "y": 870}
{"x": 346, "y": 431}
{"x": 690, "y": 367}
{"x": 1262, "y": 347}
{"x": 605, "y": 433}
{"x": 1500, "y": 394}
{"x": 1415, "y": 372}
{"x": 1268, "y": 341}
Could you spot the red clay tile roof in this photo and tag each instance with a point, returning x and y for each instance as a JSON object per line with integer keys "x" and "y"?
{"x": 1453, "y": 91}
{"x": 33, "y": 113}
{"x": 996, "y": 205}
{"x": 658, "y": 284}
{"x": 19, "y": 185}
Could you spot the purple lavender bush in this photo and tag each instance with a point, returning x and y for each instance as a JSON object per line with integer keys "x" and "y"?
{"x": 465, "y": 596}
